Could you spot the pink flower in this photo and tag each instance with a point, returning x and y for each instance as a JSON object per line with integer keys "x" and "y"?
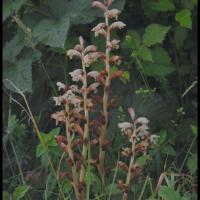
{"x": 60, "y": 85}
{"x": 58, "y": 100}
{"x": 58, "y": 116}
{"x": 76, "y": 75}
{"x": 93, "y": 74}
{"x": 100, "y": 5}
{"x": 142, "y": 120}
{"x": 93, "y": 87}
{"x": 90, "y": 48}
{"x": 114, "y": 44}
{"x": 116, "y": 60}
{"x": 71, "y": 53}
{"x": 81, "y": 40}
{"x": 114, "y": 13}
{"x": 74, "y": 88}
{"x": 132, "y": 113}
{"x": 99, "y": 29}
{"x": 125, "y": 125}
{"x": 91, "y": 57}
{"x": 69, "y": 96}
{"x": 118, "y": 25}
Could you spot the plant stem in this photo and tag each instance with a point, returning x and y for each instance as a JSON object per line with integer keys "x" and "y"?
{"x": 105, "y": 103}
{"x": 71, "y": 155}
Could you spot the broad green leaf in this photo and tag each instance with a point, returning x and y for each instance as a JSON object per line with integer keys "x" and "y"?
{"x": 163, "y": 5}
{"x": 132, "y": 40}
{"x": 12, "y": 49}
{"x": 194, "y": 129}
{"x": 192, "y": 163}
{"x": 163, "y": 136}
{"x": 142, "y": 160}
{"x": 154, "y": 34}
{"x": 161, "y": 56}
{"x": 184, "y": 18}
{"x": 168, "y": 193}
{"x": 180, "y": 34}
{"x": 54, "y": 132}
{"x": 6, "y": 195}
{"x": 40, "y": 150}
{"x": 144, "y": 53}
{"x": 155, "y": 69}
{"x": 115, "y": 189}
{"x": 20, "y": 191}
{"x": 20, "y": 75}
{"x": 168, "y": 149}
{"x": 52, "y": 33}
{"x": 11, "y": 7}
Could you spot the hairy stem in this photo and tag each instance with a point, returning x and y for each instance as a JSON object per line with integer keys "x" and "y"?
{"x": 71, "y": 156}
{"x": 105, "y": 102}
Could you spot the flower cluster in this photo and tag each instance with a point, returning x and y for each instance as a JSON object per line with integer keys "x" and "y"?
{"x": 141, "y": 140}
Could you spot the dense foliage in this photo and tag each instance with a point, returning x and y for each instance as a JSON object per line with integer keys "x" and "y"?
{"x": 159, "y": 49}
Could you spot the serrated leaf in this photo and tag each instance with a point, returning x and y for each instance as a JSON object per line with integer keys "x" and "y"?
{"x": 168, "y": 149}
{"x": 132, "y": 40}
{"x": 11, "y": 7}
{"x": 52, "y": 33}
{"x": 180, "y": 34}
{"x": 163, "y": 5}
{"x": 168, "y": 193}
{"x": 184, "y": 18}
{"x": 192, "y": 163}
{"x": 154, "y": 34}
{"x": 144, "y": 53}
{"x": 12, "y": 49}
{"x": 20, "y": 191}
{"x": 161, "y": 56}
{"x": 20, "y": 75}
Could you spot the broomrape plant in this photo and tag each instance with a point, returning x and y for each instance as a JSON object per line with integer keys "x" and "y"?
{"x": 80, "y": 99}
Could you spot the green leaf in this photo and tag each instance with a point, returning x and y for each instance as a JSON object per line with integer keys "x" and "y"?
{"x": 132, "y": 40}
{"x": 44, "y": 160}
{"x": 192, "y": 163}
{"x": 52, "y": 33}
{"x": 125, "y": 77}
{"x": 180, "y": 34}
{"x": 194, "y": 129}
{"x": 12, "y": 49}
{"x": 161, "y": 56}
{"x": 163, "y": 5}
{"x": 20, "y": 75}
{"x": 142, "y": 160}
{"x": 11, "y": 7}
{"x": 115, "y": 189}
{"x": 6, "y": 195}
{"x": 184, "y": 18}
{"x": 54, "y": 132}
{"x": 50, "y": 186}
{"x": 163, "y": 136}
{"x": 168, "y": 193}
{"x": 195, "y": 2}
{"x": 40, "y": 150}
{"x": 144, "y": 53}
{"x": 188, "y": 4}
{"x": 20, "y": 191}
{"x": 154, "y": 34}
{"x": 168, "y": 149}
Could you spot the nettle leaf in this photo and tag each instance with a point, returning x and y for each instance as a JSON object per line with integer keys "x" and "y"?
{"x": 52, "y": 33}
{"x": 168, "y": 193}
{"x": 168, "y": 149}
{"x": 11, "y": 7}
{"x": 144, "y": 53}
{"x": 12, "y": 49}
{"x": 132, "y": 40}
{"x": 154, "y": 34}
{"x": 163, "y": 5}
{"x": 20, "y": 75}
{"x": 20, "y": 191}
{"x": 184, "y": 18}
{"x": 192, "y": 163}
{"x": 161, "y": 56}
{"x": 180, "y": 34}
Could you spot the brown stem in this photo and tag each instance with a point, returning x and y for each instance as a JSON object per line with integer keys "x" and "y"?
{"x": 71, "y": 156}
{"x": 105, "y": 102}
{"x": 86, "y": 126}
